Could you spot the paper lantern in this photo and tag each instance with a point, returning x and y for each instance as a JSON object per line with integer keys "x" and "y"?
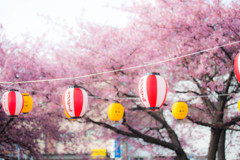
{"x": 152, "y": 91}
{"x": 28, "y": 103}
{"x": 75, "y": 102}
{"x": 12, "y": 103}
{"x": 115, "y": 111}
{"x": 179, "y": 110}
{"x": 67, "y": 115}
{"x": 237, "y": 67}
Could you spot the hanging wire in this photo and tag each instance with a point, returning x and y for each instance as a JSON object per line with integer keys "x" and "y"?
{"x": 109, "y": 98}
{"x": 123, "y": 69}
{"x": 60, "y": 94}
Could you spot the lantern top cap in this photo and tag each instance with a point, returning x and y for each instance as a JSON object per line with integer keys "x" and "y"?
{"x": 25, "y": 94}
{"x": 74, "y": 86}
{"x": 115, "y": 101}
{"x": 153, "y": 73}
{"x": 13, "y": 90}
{"x": 180, "y": 102}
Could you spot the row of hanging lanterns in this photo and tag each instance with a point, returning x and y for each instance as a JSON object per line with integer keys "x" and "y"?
{"x": 116, "y": 111}
{"x": 152, "y": 92}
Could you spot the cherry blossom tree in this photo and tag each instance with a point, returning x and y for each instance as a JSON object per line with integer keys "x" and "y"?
{"x": 168, "y": 30}
{"x": 186, "y": 27}
{"x": 28, "y": 131}
{"x": 192, "y": 44}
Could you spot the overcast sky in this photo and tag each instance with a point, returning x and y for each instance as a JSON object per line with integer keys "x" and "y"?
{"x": 18, "y": 16}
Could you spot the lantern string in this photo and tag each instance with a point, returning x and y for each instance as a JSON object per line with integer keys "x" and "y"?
{"x": 123, "y": 69}
{"x": 113, "y": 98}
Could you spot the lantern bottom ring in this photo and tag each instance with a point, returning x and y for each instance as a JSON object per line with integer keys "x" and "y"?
{"x": 12, "y": 116}
{"x": 151, "y": 108}
{"x": 75, "y": 117}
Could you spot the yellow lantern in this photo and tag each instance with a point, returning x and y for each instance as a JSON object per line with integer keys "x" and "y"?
{"x": 68, "y": 116}
{"x": 115, "y": 111}
{"x": 28, "y": 103}
{"x": 179, "y": 110}
{"x": 239, "y": 105}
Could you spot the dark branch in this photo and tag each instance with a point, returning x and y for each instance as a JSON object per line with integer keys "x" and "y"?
{"x": 227, "y": 54}
{"x": 228, "y": 82}
{"x": 172, "y": 135}
{"x": 136, "y": 134}
{"x": 205, "y": 100}
{"x": 233, "y": 121}
{"x": 105, "y": 125}
{"x": 4, "y": 128}
{"x": 224, "y": 61}
{"x": 232, "y": 129}
{"x": 188, "y": 92}
{"x": 129, "y": 95}
{"x": 152, "y": 140}
{"x": 218, "y": 125}
{"x": 199, "y": 122}
{"x": 222, "y": 100}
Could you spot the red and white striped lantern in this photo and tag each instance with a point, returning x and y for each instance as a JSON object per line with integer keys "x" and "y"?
{"x": 75, "y": 102}
{"x": 237, "y": 66}
{"x": 12, "y": 103}
{"x": 152, "y": 90}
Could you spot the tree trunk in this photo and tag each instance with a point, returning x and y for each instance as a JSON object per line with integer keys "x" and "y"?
{"x": 213, "y": 146}
{"x": 181, "y": 155}
{"x": 221, "y": 146}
